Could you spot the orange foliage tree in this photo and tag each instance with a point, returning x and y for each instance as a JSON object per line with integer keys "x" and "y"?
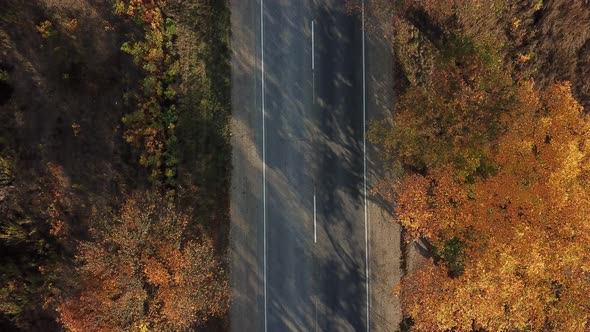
{"x": 511, "y": 245}
{"x": 142, "y": 271}
{"x": 490, "y": 171}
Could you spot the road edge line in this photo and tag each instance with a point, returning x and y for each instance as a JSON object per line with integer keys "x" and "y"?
{"x": 365, "y": 166}
{"x": 263, "y": 159}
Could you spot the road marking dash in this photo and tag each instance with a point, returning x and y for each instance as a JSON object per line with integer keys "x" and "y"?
{"x": 312, "y": 46}
{"x": 315, "y": 234}
{"x": 316, "y": 315}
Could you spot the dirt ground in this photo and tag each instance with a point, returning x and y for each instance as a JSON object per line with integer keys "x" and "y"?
{"x": 62, "y": 95}
{"x": 65, "y": 85}
{"x": 68, "y": 90}
{"x": 386, "y": 246}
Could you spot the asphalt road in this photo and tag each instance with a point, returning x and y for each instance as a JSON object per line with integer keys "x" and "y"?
{"x": 299, "y": 258}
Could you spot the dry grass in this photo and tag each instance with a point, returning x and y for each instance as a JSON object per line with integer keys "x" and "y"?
{"x": 562, "y": 45}
{"x": 547, "y": 40}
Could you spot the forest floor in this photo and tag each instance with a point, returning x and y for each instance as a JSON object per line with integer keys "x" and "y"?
{"x": 64, "y": 88}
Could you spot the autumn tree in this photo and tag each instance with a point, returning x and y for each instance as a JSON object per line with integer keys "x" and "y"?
{"x": 454, "y": 116}
{"x": 34, "y": 244}
{"x": 152, "y": 125}
{"x": 521, "y": 233}
{"x": 143, "y": 270}
{"x": 489, "y": 169}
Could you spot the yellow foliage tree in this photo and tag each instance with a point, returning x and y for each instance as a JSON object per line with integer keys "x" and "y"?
{"x": 521, "y": 234}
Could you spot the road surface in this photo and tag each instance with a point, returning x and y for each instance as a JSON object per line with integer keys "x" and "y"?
{"x": 300, "y": 247}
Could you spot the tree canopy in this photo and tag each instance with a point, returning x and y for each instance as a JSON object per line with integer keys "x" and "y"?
{"x": 142, "y": 271}
{"x": 519, "y": 234}
{"x": 489, "y": 168}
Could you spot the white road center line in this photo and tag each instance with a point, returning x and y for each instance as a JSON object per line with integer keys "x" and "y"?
{"x": 365, "y": 167}
{"x": 316, "y": 315}
{"x": 315, "y": 234}
{"x": 263, "y": 157}
{"x": 313, "y": 62}
{"x": 312, "y": 46}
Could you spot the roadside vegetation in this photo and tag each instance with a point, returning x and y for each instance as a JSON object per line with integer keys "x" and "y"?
{"x": 114, "y": 169}
{"x": 151, "y": 126}
{"x": 488, "y": 158}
